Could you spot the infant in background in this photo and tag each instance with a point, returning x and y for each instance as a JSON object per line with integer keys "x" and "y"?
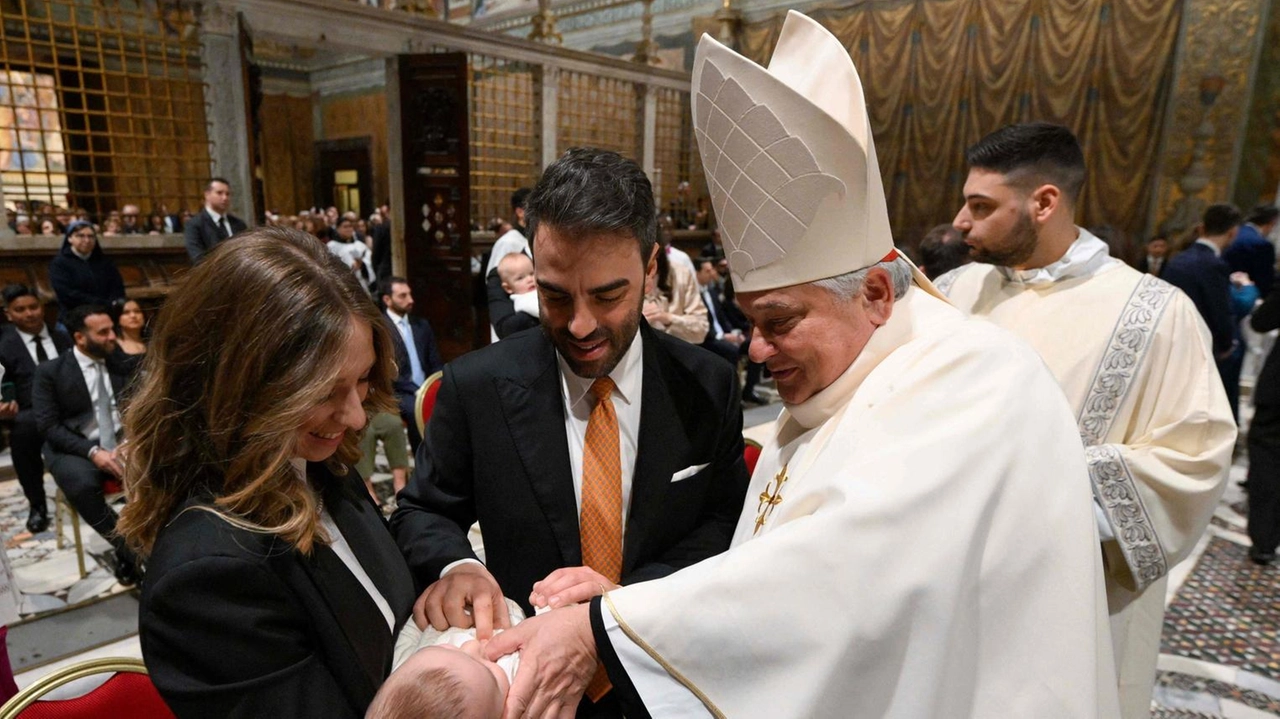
{"x": 445, "y": 674}
{"x": 516, "y": 271}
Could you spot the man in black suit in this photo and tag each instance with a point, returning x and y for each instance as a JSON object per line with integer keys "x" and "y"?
{"x": 25, "y": 344}
{"x": 593, "y": 451}
{"x": 77, "y": 407}
{"x": 728, "y": 330}
{"x": 416, "y": 352}
{"x": 213, "y": 224}
{"x": 1201, "y": 272}
{"x": 1156, "y": 257}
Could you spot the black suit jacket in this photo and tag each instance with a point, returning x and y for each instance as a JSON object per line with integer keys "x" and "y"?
{"x": 428, "y": 353}
{"x": 496, "y": 451}
{"x": 201, "y": 233}
{"x": 235, "y": 623}
{"x": 60, "y": 395}
{"x": 1266, "y": 393}
{"x": 19, "y": 367}
{"x": 729, "y": 316}
{"x": 1207, "y": 281}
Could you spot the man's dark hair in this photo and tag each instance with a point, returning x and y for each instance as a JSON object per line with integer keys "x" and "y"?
{"x": 594, "y": 191}
{"x": 384, "y": 285}
{"x": 16, "y": 290}
{"x": 941, "y": 250}
{"x": 1263, "y": 215}
{"x": 74, "y": 320}
{"x": 209, "y": 185}
{"x": 519, "y": 196}
{"x": 698, "y": 263}
{"x": 1220, "y": 218}
{"x": 1032, "y": 154}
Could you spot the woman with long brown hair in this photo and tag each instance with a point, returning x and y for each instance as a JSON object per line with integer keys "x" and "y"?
{"x": 273, "y": 587}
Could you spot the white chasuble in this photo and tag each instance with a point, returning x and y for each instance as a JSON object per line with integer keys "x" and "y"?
{"x": 1134, "y": 358}
{"x": 901, "y": 551}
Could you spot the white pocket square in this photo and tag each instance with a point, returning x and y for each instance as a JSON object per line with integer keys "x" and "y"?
{"x": 688, "y": 472}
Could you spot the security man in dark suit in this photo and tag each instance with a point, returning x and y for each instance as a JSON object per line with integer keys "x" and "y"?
{"x": 25, "y": 344}
{"x": 416, "y": 354}
{"x": 593, "y": 451}
{"x": 214, "y": 223}
{"x": 1200, "y": 272}
{"x": 77, "y": 399}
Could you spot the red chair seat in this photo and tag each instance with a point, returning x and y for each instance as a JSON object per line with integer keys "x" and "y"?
{"x": 751, "y": 455}
{"x": 126, "y": 695}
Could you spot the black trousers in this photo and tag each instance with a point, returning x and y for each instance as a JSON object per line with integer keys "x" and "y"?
{"x": 411, "y": 424}
{"x": 26, "y": 440}
{"x": 1264, "y": 479}
{"x": 81, "y": 480}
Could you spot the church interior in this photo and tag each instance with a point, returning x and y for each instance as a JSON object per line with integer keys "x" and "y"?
{"x": 417, "y": 120}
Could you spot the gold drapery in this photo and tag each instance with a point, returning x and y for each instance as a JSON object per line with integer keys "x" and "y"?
{"x": 940, "y": 74}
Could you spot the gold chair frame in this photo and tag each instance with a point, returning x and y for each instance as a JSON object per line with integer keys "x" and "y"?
{"x": 25, "y": 698}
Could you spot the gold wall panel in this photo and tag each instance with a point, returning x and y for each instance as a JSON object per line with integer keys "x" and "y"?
{"x": 506, "y": 134}
{"x": 122, "y": 106}
{"x": 598, "y": 112}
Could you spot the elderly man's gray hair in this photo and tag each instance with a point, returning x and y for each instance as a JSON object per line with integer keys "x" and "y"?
{"x": 849, "y": 285}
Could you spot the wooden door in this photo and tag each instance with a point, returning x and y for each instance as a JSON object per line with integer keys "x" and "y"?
{"x": 437, "y": 198}
{"x": 344, "y": 175}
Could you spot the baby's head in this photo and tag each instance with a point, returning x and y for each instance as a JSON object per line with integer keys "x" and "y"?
{"x": 516, "y": 271}
{"x": 443, "y": 681}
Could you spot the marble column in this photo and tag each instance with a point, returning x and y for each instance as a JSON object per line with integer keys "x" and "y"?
{"x": 227, "y": 106}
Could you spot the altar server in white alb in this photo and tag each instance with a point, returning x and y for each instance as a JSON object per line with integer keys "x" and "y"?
{"x": 918, "y": 540}
{"x": 1132, "y": 355}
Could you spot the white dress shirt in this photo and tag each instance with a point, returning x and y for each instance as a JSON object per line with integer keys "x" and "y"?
{"x": 340, "y": 547}
{"x": 49, "y": 349}
{"x": 90, "y": 368}
{"x": 217, "y": 221}
{"x": 575, "y": 394}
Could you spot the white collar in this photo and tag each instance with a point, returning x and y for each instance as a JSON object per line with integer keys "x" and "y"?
{"x": 27, "y": 337}
{"x": 77, "y": 253}
{"x": 1084, "y": 257}
{"x": 217, "y": 218}
{"x": 86, "y": 362}
{"x": 626, "y": 376}
{"x": 395, "y": 316}
{"x": 1216, "y": 251}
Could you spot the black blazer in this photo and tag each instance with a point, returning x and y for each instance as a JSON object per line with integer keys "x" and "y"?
{"x": 19, "y": 367}
{"x": 235, "y": 623}
{"x": 201, "y": 233}
{"x": 1266, "y": 393}
{"x": 428, "y": 353}
{"x": 61, "y": 395}
{"x": 495, "y": 450}
{"x": 1206, "y": 280}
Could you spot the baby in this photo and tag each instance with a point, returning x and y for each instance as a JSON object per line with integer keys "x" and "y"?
{"x": 445, "y": 674}
{"x": 516, "y": 271}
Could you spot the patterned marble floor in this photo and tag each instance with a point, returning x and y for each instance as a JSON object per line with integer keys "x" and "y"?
{"x": 1220, "y": 651}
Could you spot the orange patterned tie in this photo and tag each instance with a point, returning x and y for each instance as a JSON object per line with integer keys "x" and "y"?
{"x": 601, "y": 524}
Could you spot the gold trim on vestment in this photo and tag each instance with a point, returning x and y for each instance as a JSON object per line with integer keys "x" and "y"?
{"x": 706, "y": 701}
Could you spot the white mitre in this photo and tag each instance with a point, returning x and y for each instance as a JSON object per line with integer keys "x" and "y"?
{"x": 790, "y": 160}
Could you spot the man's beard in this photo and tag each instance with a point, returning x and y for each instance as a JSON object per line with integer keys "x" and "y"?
{"x": 98, "y": 350}
{"x": 1016, "y": 249}
{"x": 618, "y": 344}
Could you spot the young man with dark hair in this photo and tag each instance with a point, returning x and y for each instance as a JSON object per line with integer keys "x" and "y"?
{"x": 556, "y": 440}
{"x": 26, "y": 343}
{"x": 416, "y": 353}
{"x": 77, "y": 400}
{"x": 1252, "y": 252}
{"x": 942, "y": 250}
{"x": 215, "y": 222}
{"x": 1132, "y": 355}
{"x": 1156, "y": 257}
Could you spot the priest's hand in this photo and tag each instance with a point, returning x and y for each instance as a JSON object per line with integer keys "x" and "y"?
{"x": 569, "y": 585}
{"x": 467, "y": 594}
{"x": 557, "y": 661}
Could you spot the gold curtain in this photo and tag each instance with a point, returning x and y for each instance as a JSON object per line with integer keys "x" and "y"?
{"x": 940, "y": 74}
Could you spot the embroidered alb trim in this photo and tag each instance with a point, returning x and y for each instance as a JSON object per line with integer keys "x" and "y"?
{"x": 675, "y": 673}
{"x": 1123, "y": 357}
{"x": 1117, "y": 493}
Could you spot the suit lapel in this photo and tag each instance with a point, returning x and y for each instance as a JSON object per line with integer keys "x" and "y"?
{"x": 74, "y": 381}
{"x": 662, "y": 445}
{"x": 534, "y": 410}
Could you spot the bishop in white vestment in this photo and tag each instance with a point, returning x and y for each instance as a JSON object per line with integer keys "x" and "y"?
{"x": 918, "y": 538}
{"x": 1134, "y": 359}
